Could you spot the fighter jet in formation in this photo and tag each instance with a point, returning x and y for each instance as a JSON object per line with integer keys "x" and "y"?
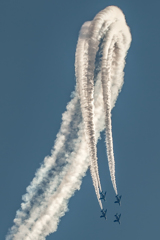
{"x": 117, "y": 218}
{"x": 103, "y": 214}
{"x": 103, "y": 196}
{"x": 118, "y": 199}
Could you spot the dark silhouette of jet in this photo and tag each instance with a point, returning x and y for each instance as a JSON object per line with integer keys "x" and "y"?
{"x": 103, "y": 196}
{"x": 103, "y": 214}
{"x": 117, "y": 218}
{"x": 118, "y": 199}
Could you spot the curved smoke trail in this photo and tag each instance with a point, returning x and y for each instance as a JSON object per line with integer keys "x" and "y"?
{"x": 109, "y": 25}
{"x": 98, "y": 85}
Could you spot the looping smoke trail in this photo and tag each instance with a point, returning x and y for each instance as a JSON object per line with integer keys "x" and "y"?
{"x": 109, "y": 25}
{"x": 100, "y": 54}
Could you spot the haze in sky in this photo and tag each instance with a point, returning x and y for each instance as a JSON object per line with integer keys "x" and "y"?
{"x": 38, "y": 42}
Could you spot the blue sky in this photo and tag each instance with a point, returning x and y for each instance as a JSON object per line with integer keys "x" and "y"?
{"x": 38, "y": 42}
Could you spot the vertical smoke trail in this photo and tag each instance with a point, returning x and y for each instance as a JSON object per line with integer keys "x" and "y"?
{"x": 61, "y": 174}
{"x": 109, "y": 23}
{"x": 113, "y": 61}
{"x": 81, "y": 62}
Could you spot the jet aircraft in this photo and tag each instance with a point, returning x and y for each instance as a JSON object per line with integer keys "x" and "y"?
{"x": 117, "y": 218}
{"x": 103, "y": 196}
{"x": 104, "y": 214}
{"x": 118, "y": 199}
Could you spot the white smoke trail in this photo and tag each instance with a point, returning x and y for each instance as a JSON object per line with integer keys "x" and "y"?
{"x": 44, "y": 215}
{"x": 61, "y": 174}
{"x": 51, "y": 173}
{"x": 110, "y": 24}
{"x": 81, "y": 63}
{"x": 115, "y": 49}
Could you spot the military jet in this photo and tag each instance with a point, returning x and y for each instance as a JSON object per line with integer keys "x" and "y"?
{"x": 117, "y": 218}
{"x": 103, "y": 214}
{"x": 118, "y": 199}
{"x": 103, "y": 196}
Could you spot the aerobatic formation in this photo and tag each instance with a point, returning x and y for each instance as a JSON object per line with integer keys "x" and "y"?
{"x": 100, "y": 58}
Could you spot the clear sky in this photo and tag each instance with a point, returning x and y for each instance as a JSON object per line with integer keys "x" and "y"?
{"x": 37, "y": 52}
